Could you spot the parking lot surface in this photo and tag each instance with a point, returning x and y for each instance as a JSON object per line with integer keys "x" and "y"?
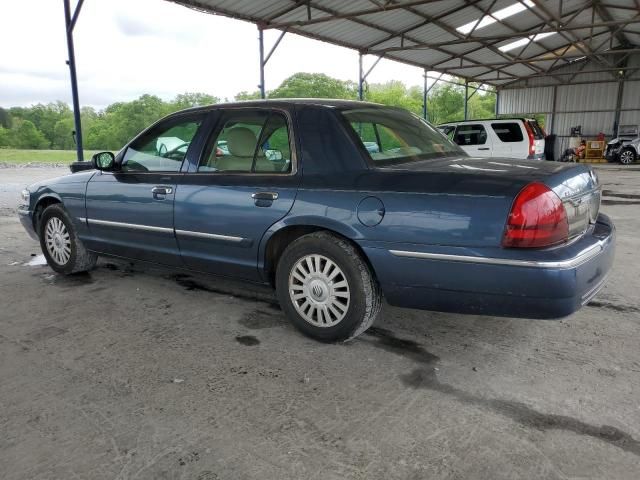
{"x": 131, "y": 371}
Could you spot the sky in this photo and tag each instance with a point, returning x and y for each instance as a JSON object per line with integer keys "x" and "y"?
{"x": 125, "y": 48}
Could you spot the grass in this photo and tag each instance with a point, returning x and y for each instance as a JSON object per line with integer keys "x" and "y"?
{"x": 15, "y": 156}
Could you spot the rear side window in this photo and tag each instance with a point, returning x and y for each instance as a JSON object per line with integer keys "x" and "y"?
{"x": 470, "y": 135}
{"x": 250, "y": 142}
{"x": 508, "y": 132}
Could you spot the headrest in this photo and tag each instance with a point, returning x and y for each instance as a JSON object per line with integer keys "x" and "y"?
{"x": 241, "y": 142}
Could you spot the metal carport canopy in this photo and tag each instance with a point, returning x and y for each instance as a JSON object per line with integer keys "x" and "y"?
{"x": 493, "y": 42}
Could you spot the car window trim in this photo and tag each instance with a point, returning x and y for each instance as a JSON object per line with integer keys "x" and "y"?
{"x": 219, "y": 125}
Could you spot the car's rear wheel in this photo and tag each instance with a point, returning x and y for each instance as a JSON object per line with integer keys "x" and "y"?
{"x": 627, "y": 156}
{"x": 64, "y": 251}
{"x": 326, "y": 288}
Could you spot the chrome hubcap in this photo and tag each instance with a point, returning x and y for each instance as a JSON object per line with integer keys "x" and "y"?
{"x": 57, "y": 241}
{"x": 319, "y": 290}
{"x": 626, "y": 157}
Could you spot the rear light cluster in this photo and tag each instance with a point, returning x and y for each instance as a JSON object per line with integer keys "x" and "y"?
{"x": 537, "y": 219}
{"x": 532, "y": 142}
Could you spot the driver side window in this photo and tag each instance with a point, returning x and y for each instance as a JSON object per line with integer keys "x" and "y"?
{"x": 163, "y": 148}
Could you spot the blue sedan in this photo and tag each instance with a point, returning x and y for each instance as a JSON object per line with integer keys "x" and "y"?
{"x": 337, "y": 205}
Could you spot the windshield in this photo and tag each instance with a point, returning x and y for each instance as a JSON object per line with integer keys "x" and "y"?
{"x": 392, "y": 136}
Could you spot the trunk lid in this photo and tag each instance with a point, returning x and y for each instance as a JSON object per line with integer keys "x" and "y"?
{"x": 576, "y": 185}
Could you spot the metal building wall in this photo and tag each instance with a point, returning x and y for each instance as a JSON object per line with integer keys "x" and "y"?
{"x": 591, "y": 101}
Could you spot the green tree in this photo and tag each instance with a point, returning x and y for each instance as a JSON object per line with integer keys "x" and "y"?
{"x": 45, "y": 117}
{"x": 193, "y": 99}
{"x": 244, "y": 95}
{"x": 445, "y": 103}
{"x": 4, "y": 137}
{"x": 396, "y": 93}
{"x": 5, "y": 118}
{"x": 63, "y": 134}
{"x": 313, "y": 85}
{"x": 25, "y": 135}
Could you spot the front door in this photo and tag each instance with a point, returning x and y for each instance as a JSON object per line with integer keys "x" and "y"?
{"x": 245, "y": 182}
{"x": 130, "y": 210}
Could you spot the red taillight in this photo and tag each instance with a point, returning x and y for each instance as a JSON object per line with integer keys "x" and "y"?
{"x": 532, "y": 143}
{"x": 537, "y": 219}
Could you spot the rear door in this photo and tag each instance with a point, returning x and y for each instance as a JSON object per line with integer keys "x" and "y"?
{"x": 509, "y": 139}
{"x": 245, "y": 181}
{"x": 130, "y": 211}
{"x": 473, "y": 139}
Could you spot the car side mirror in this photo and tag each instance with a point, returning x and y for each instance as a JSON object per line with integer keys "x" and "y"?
{"x": 104, "y": 161}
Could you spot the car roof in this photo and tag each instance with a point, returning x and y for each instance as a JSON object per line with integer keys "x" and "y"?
{"x": 488, "y": 120}
{"x": 321, "y": 102}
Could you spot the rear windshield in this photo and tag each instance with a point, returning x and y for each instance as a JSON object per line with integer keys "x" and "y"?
{"x": 393, "y": 136}
{"x": 538, "y": 133}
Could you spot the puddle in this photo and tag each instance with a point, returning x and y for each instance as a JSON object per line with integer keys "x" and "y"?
{"x": 247, "y": 340}
{"x": 36, "y": 261}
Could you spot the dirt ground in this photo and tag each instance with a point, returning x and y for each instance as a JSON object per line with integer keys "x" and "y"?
{"x": 136, "y": 372}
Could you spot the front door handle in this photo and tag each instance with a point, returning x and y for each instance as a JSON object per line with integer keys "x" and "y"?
{"x": 264, "y": 199}
{"x": 265, "y": 196}
{"x": 160, "y": 191}
{"x": 485, "y": 148}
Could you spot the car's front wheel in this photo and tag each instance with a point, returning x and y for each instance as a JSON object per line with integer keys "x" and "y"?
{"x": 627, "y": 156}
{"x": 326, "y": 288}
{"x": 64, "y": 251}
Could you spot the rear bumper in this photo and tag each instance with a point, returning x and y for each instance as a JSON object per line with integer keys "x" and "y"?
{"x": 528, "y": 284}
{"x": 26, "y": 219}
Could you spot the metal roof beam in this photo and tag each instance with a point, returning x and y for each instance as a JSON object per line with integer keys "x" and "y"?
{"x": 605, "y": 15}
{"x": 349, "y": 15}
{"x": 562, "y": 74}
{"x": 502, "y": 37}
{"x": 539, "y": 59}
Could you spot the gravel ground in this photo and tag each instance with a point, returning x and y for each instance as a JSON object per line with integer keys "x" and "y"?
{"x": 136, "y": 372}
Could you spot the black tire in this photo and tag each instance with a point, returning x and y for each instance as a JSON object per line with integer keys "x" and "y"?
{"x": 365, "y": 300}
{"x": 627, "y": 156}
{"x": 79, "y": 258}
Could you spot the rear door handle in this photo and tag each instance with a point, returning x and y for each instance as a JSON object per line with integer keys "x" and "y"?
{"x": 485, "y": 148}
{"x": 264, "y": 199}
{"x": 160, "y": 191}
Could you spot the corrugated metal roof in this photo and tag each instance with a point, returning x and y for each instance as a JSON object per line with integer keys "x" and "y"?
{"x": 428, "y": 33}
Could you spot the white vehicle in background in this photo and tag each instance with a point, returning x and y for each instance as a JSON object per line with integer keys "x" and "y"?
{"x": 511, "y": 138}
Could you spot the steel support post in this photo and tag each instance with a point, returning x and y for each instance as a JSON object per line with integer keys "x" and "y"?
{"x": 497, "y": 108}
{"x": 264, "y": 59}
{"x": 261, "y": 41}
{"x": 425, "y": 93}
{"x": 70, "y": 22}
{"x": 360, "y": 79}
{"x": 466, "y": 99}
{"x": 616, "y": 121}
